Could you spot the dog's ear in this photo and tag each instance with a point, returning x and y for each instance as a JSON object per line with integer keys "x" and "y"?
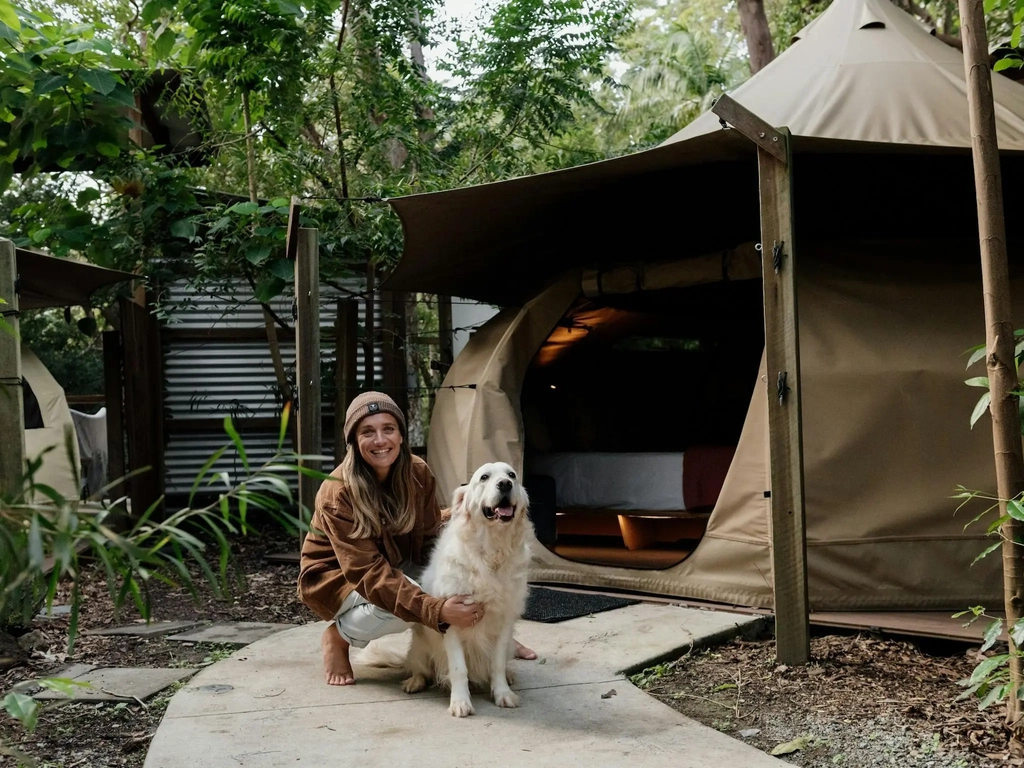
{"x": 459, "y": 499}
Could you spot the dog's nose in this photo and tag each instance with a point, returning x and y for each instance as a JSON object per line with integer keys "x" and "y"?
{"x": 505, "y": 486}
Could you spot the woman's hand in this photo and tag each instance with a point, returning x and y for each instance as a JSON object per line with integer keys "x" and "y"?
{"x": 460, "y": 613}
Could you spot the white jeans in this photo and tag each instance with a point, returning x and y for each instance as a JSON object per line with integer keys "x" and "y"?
{"x": 359, "y": 621}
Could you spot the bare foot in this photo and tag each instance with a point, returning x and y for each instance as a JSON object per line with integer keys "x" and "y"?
{"x": 337, "y": 668}
{"x": 522, "y": 652}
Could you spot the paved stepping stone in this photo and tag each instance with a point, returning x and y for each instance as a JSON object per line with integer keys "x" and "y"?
{"x": 56, "y": 612}
{"x": 237, "y": 633}
{"x": 115, "y": 683}
{"x": 153, "y": 629}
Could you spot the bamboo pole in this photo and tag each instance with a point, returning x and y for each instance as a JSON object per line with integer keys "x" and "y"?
{"x": 1002, "y": 370}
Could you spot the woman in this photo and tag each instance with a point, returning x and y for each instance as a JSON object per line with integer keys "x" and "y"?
{"x": 370, "y": 537}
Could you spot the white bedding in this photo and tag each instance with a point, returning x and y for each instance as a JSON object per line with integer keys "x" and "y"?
{"x": 648, "y": 481}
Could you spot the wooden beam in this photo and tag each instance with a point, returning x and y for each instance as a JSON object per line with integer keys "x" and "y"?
{"x": 143, "y": 403}
{"x": 369, "y": 332}
{"x": 346, "y": 345}
{"x": 782, "y": 350}
{"x": 113, "y": 387}
{"x": 770, "y": 139}
{"x": 12, "y": 413}
{"x": 402, "y": 307}
{"x": 307, "y": 362}
{"x": 444, "y": 332}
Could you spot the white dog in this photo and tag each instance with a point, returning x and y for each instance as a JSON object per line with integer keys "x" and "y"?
{"x": 482, "y": 552}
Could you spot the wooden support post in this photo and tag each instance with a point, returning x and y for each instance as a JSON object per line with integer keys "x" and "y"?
{"x": 369, "y": 333}
{"x": 346, "y": 345}
{"x": 782, "y": 350}
{"x": 143, "y": 403}
{"x": 393, "y": 345}
{"x": 444, "y": 333}
{"x": 387, "y": 342}
{"x": 399, "y": 304}
{"x": 113, "y": 389}
{"x": 999, "y": 339}
{"x": 12, "y": 413}
{"x": 307, "y": 362}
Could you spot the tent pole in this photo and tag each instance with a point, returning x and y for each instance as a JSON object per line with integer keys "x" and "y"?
{"x": 307, "y": 364}
{"x": 999, "y": 339}
{"x": 12, "y": 415}
{"x": 782, "y": 350}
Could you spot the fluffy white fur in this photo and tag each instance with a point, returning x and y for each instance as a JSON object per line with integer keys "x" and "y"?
{"x": 482, "y": 552}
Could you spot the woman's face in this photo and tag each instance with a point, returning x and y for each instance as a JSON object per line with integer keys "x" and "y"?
{"x": 378, "y": 438}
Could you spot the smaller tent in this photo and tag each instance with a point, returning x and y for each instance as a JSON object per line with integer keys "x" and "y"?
{"x": 49, "y": 429}
{"x": 46, "y": 281}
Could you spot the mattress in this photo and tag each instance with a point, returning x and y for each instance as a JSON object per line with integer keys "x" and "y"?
{"x": 650, "y": 481}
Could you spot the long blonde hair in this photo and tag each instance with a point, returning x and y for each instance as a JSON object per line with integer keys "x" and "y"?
{"x": 373, "y": 502}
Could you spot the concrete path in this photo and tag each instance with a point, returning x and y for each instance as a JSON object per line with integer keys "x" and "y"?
{"x": 267, "y": 706}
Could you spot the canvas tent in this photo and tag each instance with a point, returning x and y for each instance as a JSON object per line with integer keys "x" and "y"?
{"x": 889, "y": 299}
{"x": 46, "y": 428}
{"x": 47, "y": 281}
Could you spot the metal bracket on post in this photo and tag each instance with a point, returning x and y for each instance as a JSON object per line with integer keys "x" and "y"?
{"x": 782, "y": 388}
{"x": 777, "y": 256}
{"x": 750, "y": 125}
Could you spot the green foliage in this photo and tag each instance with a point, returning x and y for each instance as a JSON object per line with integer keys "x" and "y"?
{"x": 63, "y": 90}
{"x": 37, "y": 524}
{"x": 990, "y": 681}
{"x": 74, "y": 358}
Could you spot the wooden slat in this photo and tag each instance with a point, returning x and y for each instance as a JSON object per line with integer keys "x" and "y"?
{"x": 789, "y": 546}
{"x": 369, "y": 332}
{"x": 12, "y": 413}
{"x": 307, "y": 360}
{"x": 346, "y": 346}
{"x": 444, "y": 332}
{"x": 143, "y": 403}
{"x": 113, "y": 386}
{"x": 74, "y": 400}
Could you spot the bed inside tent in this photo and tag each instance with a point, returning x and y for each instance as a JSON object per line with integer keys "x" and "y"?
{"x": 632, "y": 409}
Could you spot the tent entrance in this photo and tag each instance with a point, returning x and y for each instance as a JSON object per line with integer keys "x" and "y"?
{"x": 632, "y": 409}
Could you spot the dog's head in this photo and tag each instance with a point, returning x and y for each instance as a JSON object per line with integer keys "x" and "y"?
{"x": 495, "y": 492}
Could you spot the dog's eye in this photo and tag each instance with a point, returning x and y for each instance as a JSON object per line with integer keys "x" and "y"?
{"x": 511, "y": 475}
{"x": 485, "y": 477}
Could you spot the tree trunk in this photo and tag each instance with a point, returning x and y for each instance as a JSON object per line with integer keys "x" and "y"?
{"x": 1002, "y": 371}
{"x": 268, "y": 319}
{"x": 759, "y": 36}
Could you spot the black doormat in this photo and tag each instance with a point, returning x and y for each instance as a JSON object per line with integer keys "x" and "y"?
{"x": 554, "y": 605}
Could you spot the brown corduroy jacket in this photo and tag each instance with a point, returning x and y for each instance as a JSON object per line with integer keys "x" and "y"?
{"x": 333, "y": 564}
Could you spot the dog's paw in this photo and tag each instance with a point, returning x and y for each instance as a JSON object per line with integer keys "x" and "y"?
{"x": 461, "y": 708}
{"x": 415, "y": 684}
{"x": 506, "y": 699}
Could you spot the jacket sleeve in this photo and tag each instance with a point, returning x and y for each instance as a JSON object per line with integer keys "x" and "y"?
{"x": 374, "y": 577}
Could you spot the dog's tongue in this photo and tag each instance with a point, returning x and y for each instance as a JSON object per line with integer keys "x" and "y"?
{"x": 504, "y": 511}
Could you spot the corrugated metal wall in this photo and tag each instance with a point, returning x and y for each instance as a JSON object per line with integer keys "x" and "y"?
{"x": 208, "y": 378}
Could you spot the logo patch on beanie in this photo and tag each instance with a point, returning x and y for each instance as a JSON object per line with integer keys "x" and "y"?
{"x": 373, "y": 407}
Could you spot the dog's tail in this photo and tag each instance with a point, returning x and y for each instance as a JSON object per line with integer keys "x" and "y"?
{"x": 388, "y": 651}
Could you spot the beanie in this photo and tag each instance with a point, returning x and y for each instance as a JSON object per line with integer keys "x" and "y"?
{"x": 370, "y": 404}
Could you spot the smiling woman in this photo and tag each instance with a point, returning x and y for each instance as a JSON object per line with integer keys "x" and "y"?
{"x": 372, "y": 531}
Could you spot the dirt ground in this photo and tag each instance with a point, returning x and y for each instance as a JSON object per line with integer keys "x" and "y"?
{"x": 864, "y": 701}
{"x": 105, "y": 735}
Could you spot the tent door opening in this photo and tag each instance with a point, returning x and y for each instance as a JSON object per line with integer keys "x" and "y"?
{"x": 632, "y": 410}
